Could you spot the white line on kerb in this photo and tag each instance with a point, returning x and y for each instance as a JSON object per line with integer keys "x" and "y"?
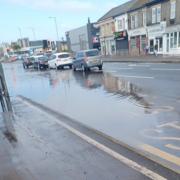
{"x": 143, "y": 170}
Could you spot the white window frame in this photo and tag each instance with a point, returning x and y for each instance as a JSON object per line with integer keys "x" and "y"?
{"x": 156, "y": 14}
{"x": 134, "y": 21}
{"x": 120, "y": 24}
{"x": 173, "y": 9}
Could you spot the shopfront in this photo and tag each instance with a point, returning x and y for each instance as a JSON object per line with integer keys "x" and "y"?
{"x": 108, "y": 46}
{"x": 122, "y": 46}
{"x": 137, "y": 41}
{"x": 156, "y": 38}
{"x": 172, "y": 39}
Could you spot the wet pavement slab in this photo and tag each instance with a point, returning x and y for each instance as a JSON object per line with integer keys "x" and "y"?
{"x": 135, "y": 103}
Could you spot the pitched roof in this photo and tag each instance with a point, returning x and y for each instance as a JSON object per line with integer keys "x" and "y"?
{"x": 118, "y": 10}
{"x": 128, "y": 6}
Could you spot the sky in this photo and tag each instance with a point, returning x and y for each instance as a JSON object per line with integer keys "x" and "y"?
{"x": 25, "y": 15}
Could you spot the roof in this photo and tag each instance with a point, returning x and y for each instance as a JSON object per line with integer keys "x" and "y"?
{"x": 118, "y": 10}
{"x": 124, "y": 8}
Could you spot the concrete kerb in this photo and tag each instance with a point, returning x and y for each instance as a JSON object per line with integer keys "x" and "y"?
{"x": 139, "y": 61}
{"x": 142, "y": 153}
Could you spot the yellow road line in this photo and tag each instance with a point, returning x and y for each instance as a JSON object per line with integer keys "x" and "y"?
{"x": 164, "y": 155}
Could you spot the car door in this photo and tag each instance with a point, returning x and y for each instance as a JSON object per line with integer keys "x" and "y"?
{"x": 79, "y": 59}
{"x": 52, "y": 61}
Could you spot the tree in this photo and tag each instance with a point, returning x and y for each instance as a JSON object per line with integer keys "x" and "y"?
{"x": 16, "y": 47}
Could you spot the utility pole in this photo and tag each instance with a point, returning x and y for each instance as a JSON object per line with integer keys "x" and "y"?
{"x": 21, "y": 37}
{"x": 56, "y": 27}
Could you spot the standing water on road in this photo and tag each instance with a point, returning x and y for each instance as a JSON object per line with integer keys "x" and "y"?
{"x": 134, "y": 111}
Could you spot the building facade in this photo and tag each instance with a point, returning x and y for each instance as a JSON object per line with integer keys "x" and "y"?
{"x": 172, "y": 33}
{"x": 82, "y": 38}
{"x": 137, "y": 31}
{"x": 121, "y": 34}
{"x": 107, "y": 29}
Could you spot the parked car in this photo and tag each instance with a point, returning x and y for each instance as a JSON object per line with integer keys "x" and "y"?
{"x": 60, "y": 60}
{"x": 27, "y": 62}
{"x": 87, "y": 59}
{"x": 41, "y": 62}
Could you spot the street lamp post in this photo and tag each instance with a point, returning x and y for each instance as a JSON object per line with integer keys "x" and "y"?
{"x": 33, "y": 32}
{"x": 21, "y": 38}
{"x": 56, "y": 27}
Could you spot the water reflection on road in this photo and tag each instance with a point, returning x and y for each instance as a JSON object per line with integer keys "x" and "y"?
{"x": 111, "y": 104}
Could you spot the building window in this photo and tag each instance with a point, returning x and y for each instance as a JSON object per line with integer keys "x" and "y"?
{"x": 173, "y": 10}
{"x": 120, "y": 25}
{"x": 156, "y": 14}
{"x": 144, "y": 18}
{"x": 134, "y": 21}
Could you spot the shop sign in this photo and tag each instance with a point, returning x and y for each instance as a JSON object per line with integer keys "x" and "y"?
{"x": 120, "y": 35}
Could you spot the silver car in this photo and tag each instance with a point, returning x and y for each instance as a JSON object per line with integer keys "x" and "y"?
{"x": 87, "y": 59}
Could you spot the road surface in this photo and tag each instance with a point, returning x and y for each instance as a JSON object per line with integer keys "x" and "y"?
{"x": 134, "y": 103}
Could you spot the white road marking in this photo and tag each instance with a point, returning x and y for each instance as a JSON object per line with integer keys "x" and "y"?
{"x": 143, "y": 170}
{"x": 164, "y": 69}
{"x": 138, "y": 77}
{"x": 171, "y": 124}
{"x": 139, "y": 65}
{"x": 124, "y": 68}
{"x": 173, "y": 147}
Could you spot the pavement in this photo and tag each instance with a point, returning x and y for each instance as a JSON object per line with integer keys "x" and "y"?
{"x": 51, "y": 146}
{"x": 143, "y": 59}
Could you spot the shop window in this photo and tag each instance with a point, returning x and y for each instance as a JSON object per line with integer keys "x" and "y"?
{"x": 151, "y": 45}
{"x": 167, "y": 42}
{"x": 171, "y": 40}
{"x": 173, "y": 10}
{"x": 133, "y": 43}
{"x": 160, "y": 44}
{"x": 143, "y": 42}
{"x": 175, "y": 40}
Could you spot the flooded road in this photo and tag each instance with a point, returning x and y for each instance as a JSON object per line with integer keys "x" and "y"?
{"x": 138, "y": 104}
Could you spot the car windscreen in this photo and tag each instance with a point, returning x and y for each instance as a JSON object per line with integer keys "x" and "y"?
{"x": 64, "y": 56}
{"x": 92, "y": 53}
{"x": 52, "y": 57}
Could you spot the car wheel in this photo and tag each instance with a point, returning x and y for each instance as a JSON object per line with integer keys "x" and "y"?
{"x": 24, "y": 66}
{"x": 56, "y": 67}
{"x": 74, "y": 69}
{"x": 27, "y": 66}
{"x": 100, "y": 67}
{"x": 70, "y": 66}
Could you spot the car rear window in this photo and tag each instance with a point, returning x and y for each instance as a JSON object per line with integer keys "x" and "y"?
{"x": 92, "y": 53}
{"x": 64, "y": 56}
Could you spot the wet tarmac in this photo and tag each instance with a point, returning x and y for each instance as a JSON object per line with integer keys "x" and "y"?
{"x": 138, "y": 104}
